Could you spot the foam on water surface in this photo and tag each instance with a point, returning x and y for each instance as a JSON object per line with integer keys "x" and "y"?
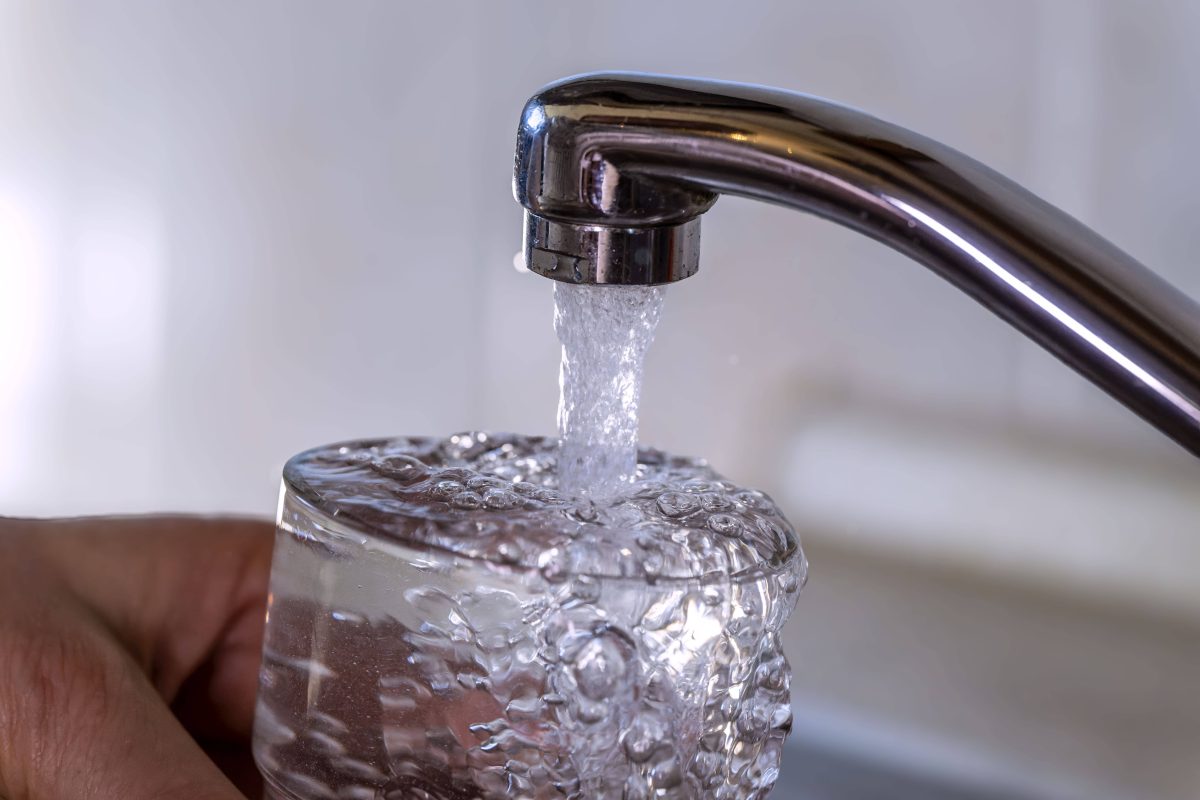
{"x": 497, "y": 498}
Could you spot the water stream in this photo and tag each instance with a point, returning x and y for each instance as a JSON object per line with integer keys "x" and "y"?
{"x": 605, "y": 332}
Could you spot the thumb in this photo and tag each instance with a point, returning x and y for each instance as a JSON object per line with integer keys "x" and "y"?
{"x": 79, "y": 719}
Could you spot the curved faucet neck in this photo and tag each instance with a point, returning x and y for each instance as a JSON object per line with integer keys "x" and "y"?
{"x": 614, "y": 171}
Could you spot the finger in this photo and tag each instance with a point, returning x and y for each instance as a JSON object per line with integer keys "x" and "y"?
{"x": 186, "y": 596}
{"x": 79, "y": 719}
{"x": 216, "y": 702}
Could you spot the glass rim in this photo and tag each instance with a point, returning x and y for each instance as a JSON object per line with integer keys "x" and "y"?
{"x": 795, "y": 563}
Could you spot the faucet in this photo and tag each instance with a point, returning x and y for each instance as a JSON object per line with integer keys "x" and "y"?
{"x": 615, "y": 169}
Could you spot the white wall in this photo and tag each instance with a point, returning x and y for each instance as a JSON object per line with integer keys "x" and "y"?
{"x": 229, "y": 231}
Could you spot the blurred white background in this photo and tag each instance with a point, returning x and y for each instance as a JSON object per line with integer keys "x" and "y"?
{"x": 231, "y": 231}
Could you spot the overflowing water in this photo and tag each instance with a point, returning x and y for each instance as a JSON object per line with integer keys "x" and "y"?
{"x": 446, "y": 625}
{"x": 605, "y": 332}
{"x": 494, "y": 616}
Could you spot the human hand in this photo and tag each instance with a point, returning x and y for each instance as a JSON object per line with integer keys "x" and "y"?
{"x": 129, "y": 652}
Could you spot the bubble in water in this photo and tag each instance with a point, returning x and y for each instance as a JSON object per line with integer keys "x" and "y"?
{"x": 600, "y": 666}
{"x": 478, "y": 482}
{"x": 706, "y": 765}
{"x": 755, "y": 719}
{"x": 677, "y": 504}
{"x": 647, "y": 731}
{"x": 725, "y": 524}
{"x": 772, "y": 675}
{"x": 447, "y": 488}
{"x": 666, "y": 773}
{"x": 405, "y": 469}
{"x": 466, "y": 500}
{"x": 713, "y": 502}
{"x": 589, "y": 710}
{"x": 500, "y": 499}
{"x": 789, "y": 582}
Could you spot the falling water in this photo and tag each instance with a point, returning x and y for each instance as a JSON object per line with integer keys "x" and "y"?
{"x": 605, "y": 331}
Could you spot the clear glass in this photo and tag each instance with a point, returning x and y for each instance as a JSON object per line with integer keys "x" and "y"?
{"x": 395, "y": 668}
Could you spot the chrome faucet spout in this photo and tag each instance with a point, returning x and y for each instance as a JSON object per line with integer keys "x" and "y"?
{"x": 614, "y": 171}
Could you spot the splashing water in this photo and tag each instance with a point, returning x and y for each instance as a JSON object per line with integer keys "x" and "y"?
{"x": 445, "y": 625}
{"x": 605, "y": 332}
